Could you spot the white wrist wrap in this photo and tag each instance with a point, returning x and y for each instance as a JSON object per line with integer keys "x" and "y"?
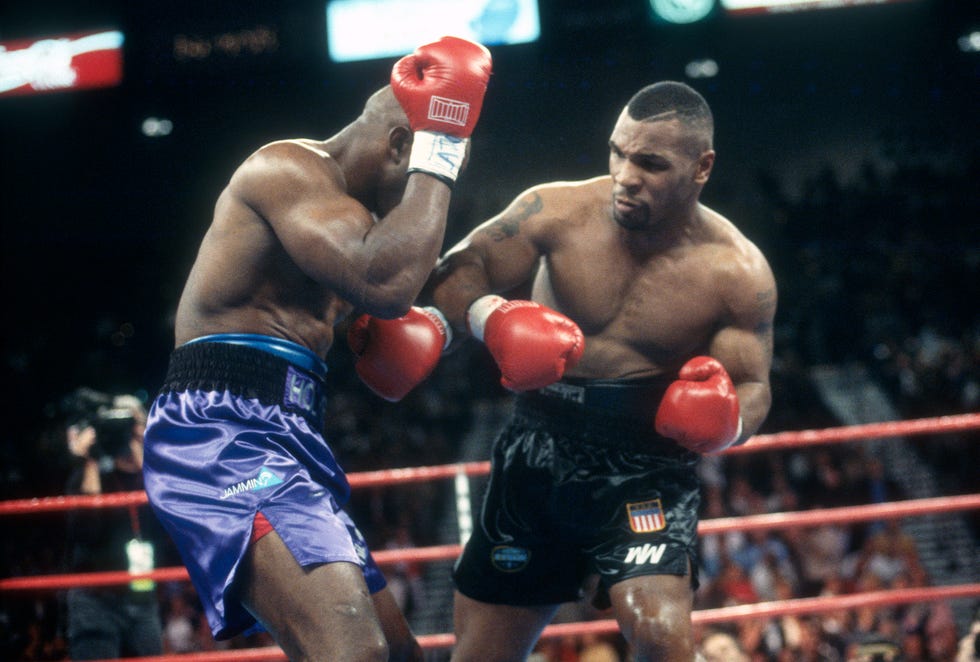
{"x": 439, "y": 319}
{"x": 438, "y": 154}
{"x": 734, "y": 440}
{"x": 479, "y": 311}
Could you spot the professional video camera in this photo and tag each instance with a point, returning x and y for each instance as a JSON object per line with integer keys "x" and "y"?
{"x": 113, "y": 424}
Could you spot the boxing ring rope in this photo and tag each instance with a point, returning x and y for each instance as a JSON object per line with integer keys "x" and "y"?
{"x": 388, "y": 557}
{"x": 384, "y": 477}
{"x": 797, "y": 606}
{"x": 784, "y": 520}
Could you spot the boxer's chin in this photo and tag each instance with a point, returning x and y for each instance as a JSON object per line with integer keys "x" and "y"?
{"x": 632, "y": 218}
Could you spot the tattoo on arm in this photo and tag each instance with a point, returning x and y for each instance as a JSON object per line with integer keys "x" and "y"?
{"x": 509, "y": 225}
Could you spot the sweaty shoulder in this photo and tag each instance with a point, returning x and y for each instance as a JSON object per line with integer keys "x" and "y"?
{"x": 742, "y": 272}
{"x": 546, "y": 210}
{"x": 287, "y": 166}
{"x": 571, "y": 199}
{"x": 729, "y": 238}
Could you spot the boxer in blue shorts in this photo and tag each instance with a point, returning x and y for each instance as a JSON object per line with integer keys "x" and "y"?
{"x": 265, "y": 467}
{"x": 304, "y": 233}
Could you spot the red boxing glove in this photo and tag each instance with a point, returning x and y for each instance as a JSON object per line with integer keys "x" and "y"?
{"x": 532, "y": 344}
{"x": 441, "y": 86}
{"x": 395, "y": 356}
{"x": 700, "y": 410}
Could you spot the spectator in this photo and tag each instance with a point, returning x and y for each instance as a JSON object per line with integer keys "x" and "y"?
{"x": 968, "y": 649}
{"x": 874, "y": 649}
{"x": 821, "y": 551}
{"x": 888, "y": 553}
{"x": 765, "y": 557}
{"x": 597, "y": 649}
{"x": 405, "y": 577}
{"x": 721, "y": 646}
{"x": 185, "y": 628}
{"x": 105, "y": 435}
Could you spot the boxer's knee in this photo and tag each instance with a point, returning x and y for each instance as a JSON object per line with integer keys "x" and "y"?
{"x": 359, "y": 641}
{"x": 659, "y": 636}
{"x": 372, "y": 651}
{"x": 654, "y": 614}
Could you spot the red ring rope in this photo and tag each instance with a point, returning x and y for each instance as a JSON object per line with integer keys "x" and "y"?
{"x": 382, "y": 477}
{"x": 794, "y": 606}
{"x": 387, "y": 557}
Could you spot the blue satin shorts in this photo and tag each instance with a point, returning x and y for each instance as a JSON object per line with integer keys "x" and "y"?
{"x": 236, "y": 430}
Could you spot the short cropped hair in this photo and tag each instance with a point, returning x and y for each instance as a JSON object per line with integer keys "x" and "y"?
{"x": 671, "y": 99}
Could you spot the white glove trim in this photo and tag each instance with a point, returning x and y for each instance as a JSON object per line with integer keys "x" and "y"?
{"x": 733, "y": 440}
{"x": 479, "y": 311}
{"x": 440, "y": 320}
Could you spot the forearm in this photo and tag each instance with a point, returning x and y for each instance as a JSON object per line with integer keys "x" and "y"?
{"x": 754, "y": 400}
{"x": 747, "y": 356}
{"x": 454, "y": 287}
{"x": 401, "y": 249}
{"x": 476, "y": 268}
{"x": 91, "y": 482}
{"x": 440, "y": 88}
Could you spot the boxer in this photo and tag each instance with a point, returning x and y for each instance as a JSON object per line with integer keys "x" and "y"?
{"x": 646, "y": 343}
{"x": 304, "y": 233}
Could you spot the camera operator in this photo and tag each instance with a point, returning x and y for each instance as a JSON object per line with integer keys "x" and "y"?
{"x": 104, "y": 434}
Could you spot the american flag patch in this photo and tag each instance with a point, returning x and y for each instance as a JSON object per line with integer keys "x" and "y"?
{"x": 647, "y": 516}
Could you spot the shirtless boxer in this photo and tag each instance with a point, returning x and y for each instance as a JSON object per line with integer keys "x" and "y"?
{"x": 594, "y": 476}
{"x": 236, "y": 466}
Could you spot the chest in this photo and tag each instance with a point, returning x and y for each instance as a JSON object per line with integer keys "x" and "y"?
{"x": 664, "y": 303}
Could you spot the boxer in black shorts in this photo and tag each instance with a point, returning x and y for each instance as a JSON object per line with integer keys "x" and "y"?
{"x": 630, "y": 278}
{"x": 582, "y": 485}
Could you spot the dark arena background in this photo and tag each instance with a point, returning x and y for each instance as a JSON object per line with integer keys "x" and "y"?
{"x": 847, "y": 141}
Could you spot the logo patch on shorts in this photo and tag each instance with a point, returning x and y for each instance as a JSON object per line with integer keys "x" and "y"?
{"x": 641, "y": 555}
{"x": 360, "y": 545}
{"x": 265, "y": 479}
{"x": 300, "y": 391}
{"x": 646, "y": 517}
{"x": 509, "y": 559}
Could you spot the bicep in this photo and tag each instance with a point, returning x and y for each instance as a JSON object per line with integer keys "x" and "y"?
{"x": 506, "y": 247}
{"x": 497, "y": 256}
{"x": 319, "y": 226}
{"x": 746, "y": 354}
{"x": 325, "y": 237}
{"x": 744, "y": 343}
